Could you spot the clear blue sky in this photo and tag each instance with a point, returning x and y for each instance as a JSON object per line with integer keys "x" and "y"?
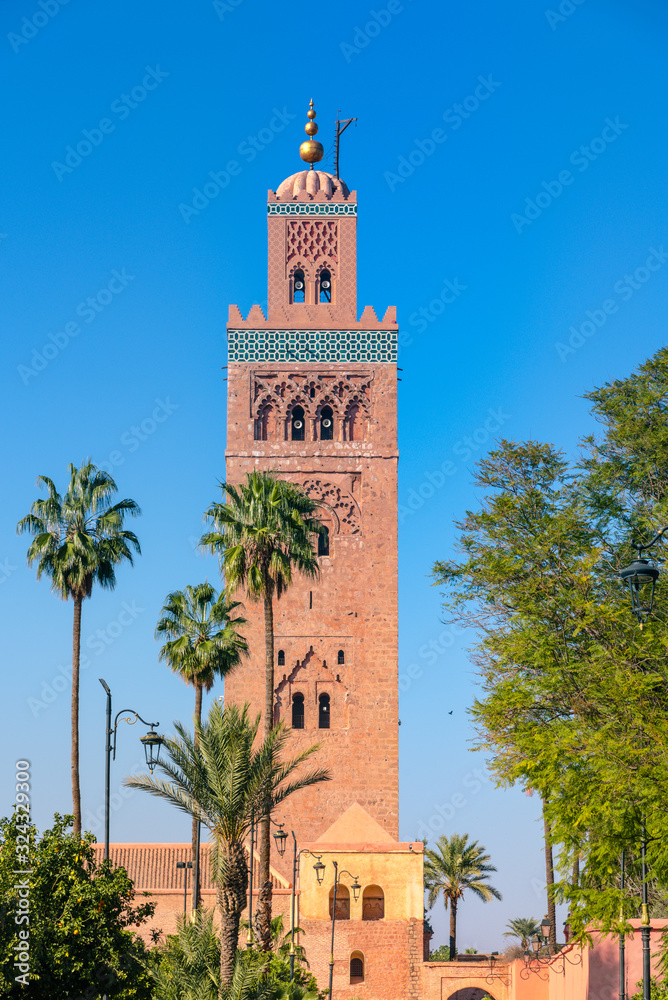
{"x": 532, "y": 232}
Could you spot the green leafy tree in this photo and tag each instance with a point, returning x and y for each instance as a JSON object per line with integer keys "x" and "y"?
{"x": 522, "y": 928}
{"x": 78, "y": 541}
{"x": 440, "y": 954}
{"x": 456, "y": 867}
{"x": 264, "y": 532}
{"x": 574, "y": 700}
{"x": 203, "y": 643}
{"x": 222, "y": 777}
{"x": 74, "y": 917}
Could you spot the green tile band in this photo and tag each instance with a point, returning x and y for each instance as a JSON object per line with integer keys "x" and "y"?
{"x": 306, "y": 208}
{"x": 313, "y": 345}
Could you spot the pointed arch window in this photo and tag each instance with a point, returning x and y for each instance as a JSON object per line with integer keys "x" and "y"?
{"x": 326, "y": 424}
{"x": 323, "y": 542}
{"x": 298, "y": 424}
{"x": 325, "y": 286}
{"x": 298, "y": 711}
{"x": 323, "y": 711}
{"x": 298, "y": 286}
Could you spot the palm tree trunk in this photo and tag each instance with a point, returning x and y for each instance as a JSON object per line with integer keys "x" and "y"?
{"x": 264, "y": 828}
{"x": 231, "y": 899}
{"x": 453, "y": 928}
{"x": 195, "y": 888}
{"x": 76, "y": 658}
{"x": 549, "y": 877}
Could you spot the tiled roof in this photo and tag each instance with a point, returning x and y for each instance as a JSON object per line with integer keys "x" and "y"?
{"x": 153, "y": 866}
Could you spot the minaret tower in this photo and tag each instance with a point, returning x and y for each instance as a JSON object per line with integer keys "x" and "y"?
{"x": 312, "y": 396}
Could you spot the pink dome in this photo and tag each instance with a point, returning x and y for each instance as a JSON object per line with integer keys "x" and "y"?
{"x": 311, "y": 181}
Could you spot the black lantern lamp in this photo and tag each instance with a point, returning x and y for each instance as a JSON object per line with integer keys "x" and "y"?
{"x": 356, "y": 887}
{"x": 280, "y": 839}
{"x": 527, "y": 957}
{"x": 319, "y": 870}
{"x": 536, "y": 943}
{"x": 642, "y": 576}
{"x": 545, "y": 927}
{"x": 152, "y": 743}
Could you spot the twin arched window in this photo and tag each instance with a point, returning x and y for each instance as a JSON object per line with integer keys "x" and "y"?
{"x": 299, "y": 715}
{"x": 299, "y": 286}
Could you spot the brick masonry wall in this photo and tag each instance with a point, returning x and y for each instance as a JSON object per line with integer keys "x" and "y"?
{"x": 352, "y": 607}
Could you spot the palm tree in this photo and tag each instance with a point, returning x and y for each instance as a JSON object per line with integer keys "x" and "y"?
{"x": 78, "y": 541}
{"x": 453, "y": 868}
{"x": 202, "y": 644}
{"x": 221, "y": 778}
{"x": 262, "y": 533}
{"x": 523, "y": 928}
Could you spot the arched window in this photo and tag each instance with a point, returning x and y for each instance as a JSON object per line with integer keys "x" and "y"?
{"x": 340, "y": 657}
{"x": 323, "y": 711}
{"x": 281, "y": 658}
{"x": 325, "y": 286}
{"x": 265, "y": 423}
{"x": 373, "y": 903}
{"x": 342, "y": 902}
{"x": 298, "y": 286}
{"x": 356, "y": 967}
{"x": 355, "y": 429}
{"x": 326, "y": 424}
{"x": 298, "y": 711}
{"x": 298, "y": 424}
{"x": 323, "y": 542}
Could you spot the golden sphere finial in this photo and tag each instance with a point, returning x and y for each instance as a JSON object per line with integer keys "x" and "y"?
{"x": 311, "y": 151}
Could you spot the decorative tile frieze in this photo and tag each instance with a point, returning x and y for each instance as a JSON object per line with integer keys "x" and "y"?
{"x": 311, "y": 208}
{"x": 313, "y": 345}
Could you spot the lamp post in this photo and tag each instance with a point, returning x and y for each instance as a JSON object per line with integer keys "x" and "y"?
{"x": 185, "y": 865}
{"x": 641, "y": 576}
{"x": 151, "y": 742}
{"x": 356, "y": 891}
{"x": 280, "y": 838}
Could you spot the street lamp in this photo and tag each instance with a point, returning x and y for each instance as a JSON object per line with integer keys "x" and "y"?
{"x": 185, "y": 865}
{"x": 152, "y": 743}
{"x": 356, "y": 891}
{"x": 319, "y": 869}
{"x": 641, "y": 576}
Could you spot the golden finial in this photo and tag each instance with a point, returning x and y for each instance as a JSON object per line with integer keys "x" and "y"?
{"x": 311, "y": 151}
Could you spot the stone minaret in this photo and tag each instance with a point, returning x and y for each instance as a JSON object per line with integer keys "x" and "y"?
{"x": 312, "y": 395}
